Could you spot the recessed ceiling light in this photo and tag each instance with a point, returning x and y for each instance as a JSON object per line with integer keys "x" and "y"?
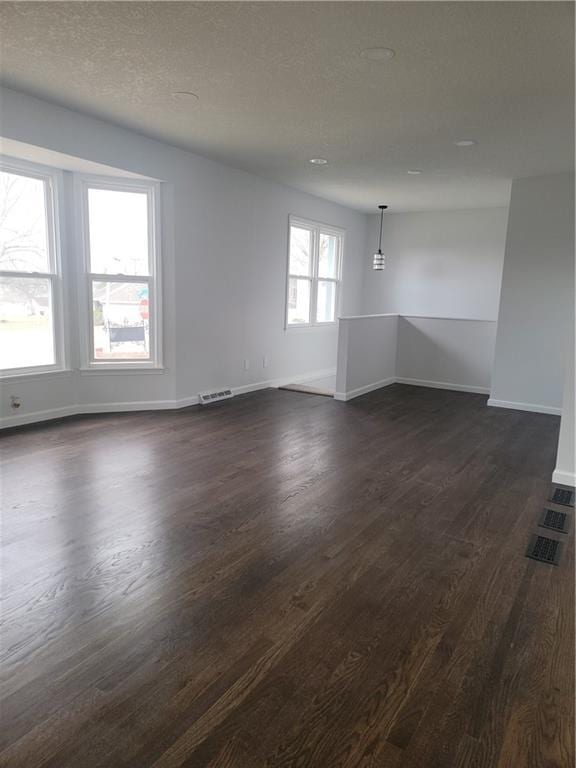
{"x": 185, "y": 96}
{"x": 378, "y": 54}
{"x": 318, "y": 161}
{"x": 465, "y": 143}
{"x": 414, "y": 172}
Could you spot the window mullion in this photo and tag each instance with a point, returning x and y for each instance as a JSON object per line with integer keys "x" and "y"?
{"x": 56, "y": 310}
{"x": 89, "y": 309}
{"x": 315, "y": 270}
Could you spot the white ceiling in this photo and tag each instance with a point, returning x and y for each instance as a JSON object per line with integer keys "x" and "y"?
{"x": 282, "y": 82}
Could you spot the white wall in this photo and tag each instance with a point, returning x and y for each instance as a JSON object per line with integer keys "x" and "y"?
{"x": 366, "y": 354}
{"x": 439, "y": 263}
{"x": 537, "y": 298}
{"x": 565, "y": 471}
{"x": 377, "y": 350}
{"x": 446, "y": 353}
{"x": 224, "y": 249}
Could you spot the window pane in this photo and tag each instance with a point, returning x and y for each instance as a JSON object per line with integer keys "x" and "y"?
{"x": 121, "y": 321}
{"x": 26, "y": 334}
{"x": 300, "y": 251}
{"x": 326, "y": 305}
{"x": 298, "y": 301}
{"x": 23, "y": 224}
{"x": 328, "y": 266}
{"x": 118, "y": 225}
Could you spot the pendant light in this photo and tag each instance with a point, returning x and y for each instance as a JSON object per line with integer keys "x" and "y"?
{"x": 379, "y": 261}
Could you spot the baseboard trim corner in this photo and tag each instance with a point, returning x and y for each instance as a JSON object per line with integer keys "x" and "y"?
{"x": 323, "y": 373}
{"x": 564, "y": 478}
{"x": 531, "y": 407}
{"x": 444, "y": 385}
{"x": 344, "y": 396}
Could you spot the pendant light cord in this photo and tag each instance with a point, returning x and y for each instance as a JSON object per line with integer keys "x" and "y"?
{"x": 380, "y": 236}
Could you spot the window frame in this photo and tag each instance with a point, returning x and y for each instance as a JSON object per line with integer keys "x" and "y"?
{"x": 53, "y": 181}
{"x": 316, "y": 229}
{"x": 88, "y": 363}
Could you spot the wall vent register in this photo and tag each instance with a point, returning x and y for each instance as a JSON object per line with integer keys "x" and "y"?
{"x": 544, "y": 550}
{"x": 563, "y": 496}
{"x": 554, "y": 520}
{"x": 212, "y": 397}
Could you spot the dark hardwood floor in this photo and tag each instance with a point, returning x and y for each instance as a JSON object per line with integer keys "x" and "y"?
{"x": 282, "y": 580}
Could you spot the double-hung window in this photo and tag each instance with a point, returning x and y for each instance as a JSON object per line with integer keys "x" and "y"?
{"x": 122, "y": 275}
{"x": 31, "y": 337}
{"x": 314, "y": 273}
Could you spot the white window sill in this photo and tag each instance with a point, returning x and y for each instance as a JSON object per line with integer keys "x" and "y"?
{"x": 310, "y": 327}
{"x": 105, "y": 370}
{"x": 67, "y": 372}
{"x": 25, "y": 376}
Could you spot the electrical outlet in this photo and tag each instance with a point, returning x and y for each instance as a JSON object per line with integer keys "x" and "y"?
{"x": 265, "y": 361}
{"x": 15, "y": 402}
{"x": 246, "y": 364}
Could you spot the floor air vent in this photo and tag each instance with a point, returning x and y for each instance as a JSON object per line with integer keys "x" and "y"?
{"x": 544, "y": 549}
{"x": 212, "y": 397}
{"x": 555, "y": 521}
{"x": 563, "y": 496}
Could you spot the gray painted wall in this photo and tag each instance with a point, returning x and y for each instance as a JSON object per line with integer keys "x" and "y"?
{"x": 439, "y": 263}
{"x": 565, "y": 471}
{"x": 454, "y": 353}
{"x": 537, "y": 296}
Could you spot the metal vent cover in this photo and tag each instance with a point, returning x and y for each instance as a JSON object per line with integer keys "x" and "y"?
{"x": 563, "y": 496}
{"x": 554, "y": 520}
{"x": 212, "y": 397}
{"x": 544, "y": 550}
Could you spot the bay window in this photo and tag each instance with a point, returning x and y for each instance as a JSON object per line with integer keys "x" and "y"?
{"x": 112, "y": 258}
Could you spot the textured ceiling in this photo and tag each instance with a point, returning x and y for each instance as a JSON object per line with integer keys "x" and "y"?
{"x": 282, "y": 82}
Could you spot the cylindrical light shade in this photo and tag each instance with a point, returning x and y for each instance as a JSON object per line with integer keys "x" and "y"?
{"x": 379, "y": 261}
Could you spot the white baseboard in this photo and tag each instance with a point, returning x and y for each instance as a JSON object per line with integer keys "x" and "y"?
{"x": 344, "y": 396}
{"x": 21, "y": 419}
{"x": 185, "y": 402}
{"x": 532, "y": 407}
{"x": 443, "y": 385}
{"x": 564, "y": 478}
{"x": 282, "y": 381}
{"x": 323, "y": 373}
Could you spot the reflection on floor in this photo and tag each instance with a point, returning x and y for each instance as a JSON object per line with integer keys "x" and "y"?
{"x": 324, "y": 386}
